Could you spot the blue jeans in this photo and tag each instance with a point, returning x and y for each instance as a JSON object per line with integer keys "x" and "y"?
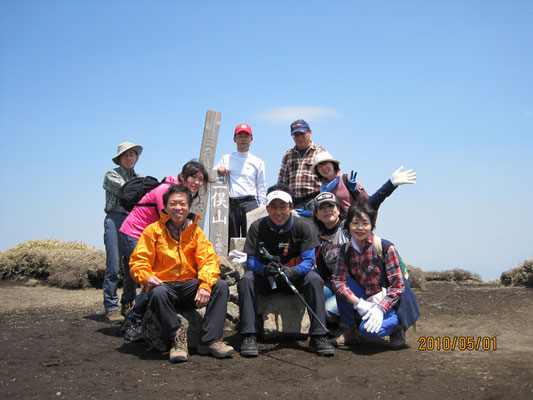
{"x": 114, "y": 256}
{"x": 141, "y": 301}
{"x": 332, "y": 311}
{"x": 346, "y": 311}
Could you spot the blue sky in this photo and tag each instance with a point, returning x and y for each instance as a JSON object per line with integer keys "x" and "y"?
{"x": 443, "y": 87}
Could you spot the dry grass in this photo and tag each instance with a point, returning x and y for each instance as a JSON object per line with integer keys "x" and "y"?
{"x": 71, "y": 265}
{"x": 417, "y": 278}
{"x": 453, "y": 275}
{"x": 519, "y": 276}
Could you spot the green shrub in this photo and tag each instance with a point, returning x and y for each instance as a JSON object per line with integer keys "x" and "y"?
{"x": 70, "y": 265}
{"x": 519, "y": 276}
{"x": 453, "y": 275}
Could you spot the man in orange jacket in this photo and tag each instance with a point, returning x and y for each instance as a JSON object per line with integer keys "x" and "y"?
{"x": 179, "y": 268}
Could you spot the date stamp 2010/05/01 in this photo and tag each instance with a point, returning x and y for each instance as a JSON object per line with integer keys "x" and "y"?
{"x": 451, "y": 343}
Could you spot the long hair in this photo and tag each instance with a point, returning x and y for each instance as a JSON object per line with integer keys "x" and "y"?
{"x": 192, "y": 168}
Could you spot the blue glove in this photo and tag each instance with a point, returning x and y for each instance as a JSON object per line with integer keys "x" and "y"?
{"x": 352, "y": 183}
{"x": 305, "y": 213}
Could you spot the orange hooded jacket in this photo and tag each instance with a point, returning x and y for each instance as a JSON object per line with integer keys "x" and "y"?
{"x": 158, "y": 254}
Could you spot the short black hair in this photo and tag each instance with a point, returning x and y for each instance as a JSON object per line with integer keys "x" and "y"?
{"x": 177, "y": 189}
{"x": 356, "y": 210}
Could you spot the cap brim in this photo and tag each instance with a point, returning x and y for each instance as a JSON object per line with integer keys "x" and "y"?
{"x": 278, "y": 194}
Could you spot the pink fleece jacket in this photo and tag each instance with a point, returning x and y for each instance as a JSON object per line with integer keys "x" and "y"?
{"x": 140, "y": 217}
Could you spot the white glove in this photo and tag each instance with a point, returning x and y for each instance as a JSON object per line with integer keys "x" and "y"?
{"x": 375, "y": 319}
{"x": 378, "y": 297}
{"x": 363, "y": 307}
{"x": 401, "y": 177}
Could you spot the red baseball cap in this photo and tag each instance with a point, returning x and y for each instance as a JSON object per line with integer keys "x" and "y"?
{"x": 243, "y": 128}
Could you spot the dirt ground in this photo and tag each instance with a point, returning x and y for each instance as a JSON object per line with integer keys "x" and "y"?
{"x": 55, "y": 344}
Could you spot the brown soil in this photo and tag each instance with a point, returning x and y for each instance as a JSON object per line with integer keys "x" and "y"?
{"x": 56, "y": 344}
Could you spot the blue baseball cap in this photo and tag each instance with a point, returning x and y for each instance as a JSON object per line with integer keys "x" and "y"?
{"x": 299, "y": 126}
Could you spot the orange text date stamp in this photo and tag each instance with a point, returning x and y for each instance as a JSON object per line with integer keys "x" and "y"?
{"x": 461, "y": 343}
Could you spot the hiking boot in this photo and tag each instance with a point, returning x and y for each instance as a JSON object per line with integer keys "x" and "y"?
{"x": 133, "y": 331}
{"x": 126, "y": 307}
{"x": 178, "y": 351}
{"x": 397, "y": 339}
{"x": 217, "y": 349}
{"x": 249, "y": 346}
{"x": 114, "y": 317}
{"x": 349, "y": 337}
{"x": 321, "y": 345}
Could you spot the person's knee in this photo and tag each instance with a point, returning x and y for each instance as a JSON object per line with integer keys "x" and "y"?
{"x": 246, "y": 281}
{"x": 221, "y": 286}
{"x": 313, "y": 279}
{"x": 157, "y": 292}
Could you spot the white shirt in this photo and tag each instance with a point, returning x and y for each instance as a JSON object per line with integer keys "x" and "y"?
{"x": 246, "y": 175}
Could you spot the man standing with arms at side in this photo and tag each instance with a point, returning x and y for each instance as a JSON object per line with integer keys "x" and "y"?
{"x": 295, "y": 171}
{"x": 247, "y": 188}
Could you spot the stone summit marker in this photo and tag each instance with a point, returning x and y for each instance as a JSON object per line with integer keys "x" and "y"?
{"x": 218, "y": 188}
{"x": 207, "y": 154}
{"x": 219, "y": 213}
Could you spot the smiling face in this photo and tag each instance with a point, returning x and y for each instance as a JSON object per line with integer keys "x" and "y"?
{"x": 177, "y": 208}
{"x": 328, "y": 214}
{"x": 302, "y": 139}
{"x": 327, "y": 170}
{"x": 193, "y": 182}
{"x": 279, "y": 211}
{"x": 243, "y": 140}
{"x": 128, "y": 159}
{"x": 360, "y": 228}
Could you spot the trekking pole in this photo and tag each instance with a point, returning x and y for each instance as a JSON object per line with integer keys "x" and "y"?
{"x": 268, "y": 256}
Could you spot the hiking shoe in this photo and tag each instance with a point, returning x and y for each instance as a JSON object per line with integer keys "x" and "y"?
{"x": 114, "y": 317}
{"x": 217, "y": 349}
{"x": 133, "y": 331}
{"x": 321, "y": 345}
{"x": 349, "y": 337}
{"x": 178, "y": 351}
{"x": 249, "y": 346}
{"x": 126, "y": 307}
{"x": 397, "y": 339}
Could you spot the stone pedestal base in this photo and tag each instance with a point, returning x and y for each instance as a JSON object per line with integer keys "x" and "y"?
{"x": 282, "y": 315}
{"x": 190, "y": 319}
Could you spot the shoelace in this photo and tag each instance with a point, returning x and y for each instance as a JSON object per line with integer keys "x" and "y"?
{"x": 181, "y": 338}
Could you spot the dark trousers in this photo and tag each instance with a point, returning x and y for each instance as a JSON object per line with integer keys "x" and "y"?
{"x": 310, "y": 286}
{"x": 166, "y": 299}
{"x": 237, "y": 216}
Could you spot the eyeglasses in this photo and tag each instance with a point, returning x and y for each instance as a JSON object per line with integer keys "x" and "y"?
{"x": 357, "y": 224}
{"x": 194, "y": 179}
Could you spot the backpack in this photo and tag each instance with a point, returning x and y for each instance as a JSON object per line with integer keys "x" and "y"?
{"x": 407, "y": 307}
{"x": 133, "y": 191}
{"x": 360, "y": 191}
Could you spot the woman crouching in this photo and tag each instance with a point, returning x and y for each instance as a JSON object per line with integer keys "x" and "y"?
{"x": 364, "y": 282}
